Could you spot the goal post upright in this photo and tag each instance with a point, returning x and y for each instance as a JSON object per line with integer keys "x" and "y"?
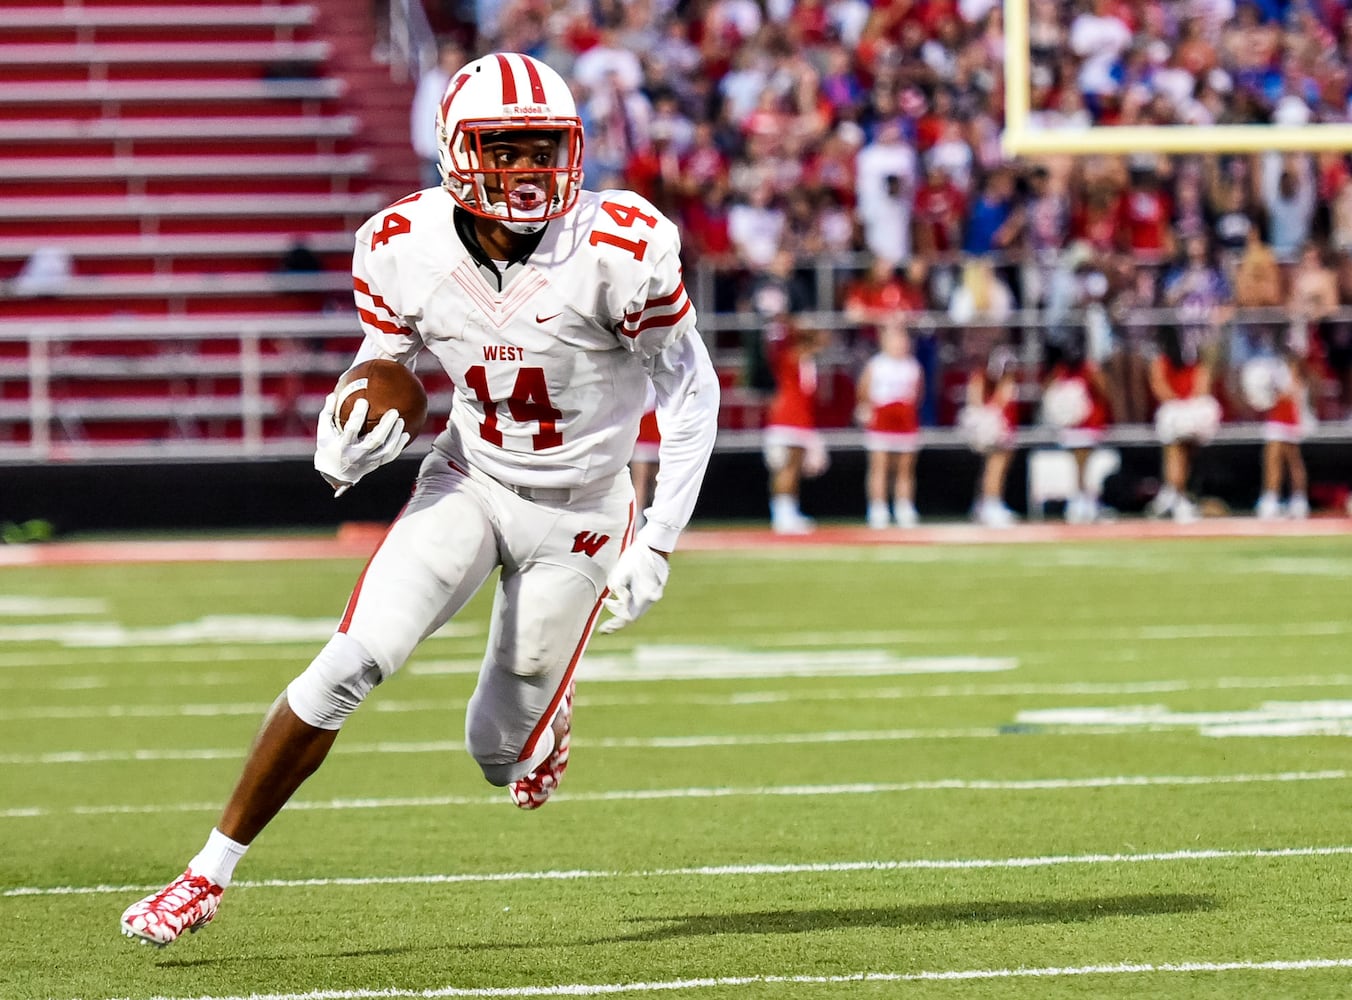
{"x": 1019, "y": 139}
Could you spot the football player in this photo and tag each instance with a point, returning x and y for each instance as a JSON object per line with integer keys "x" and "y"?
{"x": 552, "y": 309}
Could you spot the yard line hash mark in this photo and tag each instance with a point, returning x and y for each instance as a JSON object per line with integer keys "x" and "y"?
{"x": 651, "y": 794}
{"x": 726, "y": 871}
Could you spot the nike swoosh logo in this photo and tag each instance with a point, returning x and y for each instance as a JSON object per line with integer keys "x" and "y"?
{"x": 546, "y": 319}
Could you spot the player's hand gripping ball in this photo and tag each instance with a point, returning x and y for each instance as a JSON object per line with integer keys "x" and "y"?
{"x": 385, "y": 385}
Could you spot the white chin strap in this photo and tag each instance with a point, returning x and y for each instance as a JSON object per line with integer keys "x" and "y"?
{"x": 524, "y": 228}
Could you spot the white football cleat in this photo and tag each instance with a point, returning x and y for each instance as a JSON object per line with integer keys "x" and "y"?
{"x": 906, "y": 516}
{"x": 188, "y": 903}
{"x": 534, "y": 790}
{"x": 1298, "y": 509}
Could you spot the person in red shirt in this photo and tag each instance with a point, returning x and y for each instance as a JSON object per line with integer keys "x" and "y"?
{"x": 879, "y": 296}
{"x": 1144, "y": 215}
{"x": 940, "y": 210}
{"x": 704, "y": 165}
{"x": 705, "y": 228}
{"x": 1186, "y": 418}
{"x": 793, "y": 446}
{"x": 1095, "y": 220}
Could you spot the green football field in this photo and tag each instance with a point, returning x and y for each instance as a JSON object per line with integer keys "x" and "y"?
{"x": 1018, "y": 771}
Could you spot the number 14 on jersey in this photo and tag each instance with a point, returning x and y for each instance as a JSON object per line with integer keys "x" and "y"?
{"x": 625, "y": 216}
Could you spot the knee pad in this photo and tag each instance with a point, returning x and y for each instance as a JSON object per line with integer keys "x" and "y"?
{"x": 334, "y": 684}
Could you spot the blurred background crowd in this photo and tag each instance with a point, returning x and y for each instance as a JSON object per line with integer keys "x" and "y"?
{"x": 862, "y": 138}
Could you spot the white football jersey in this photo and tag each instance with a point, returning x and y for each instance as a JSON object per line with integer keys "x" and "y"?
{"x": 551, "y": 357}
{"x": 893, "y": 380}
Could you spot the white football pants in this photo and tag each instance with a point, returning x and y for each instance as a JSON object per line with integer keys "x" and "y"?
{"x": 554, "y": 553}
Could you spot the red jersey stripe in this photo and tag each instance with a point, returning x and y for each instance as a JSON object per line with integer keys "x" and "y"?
{"x": 384, "y": 326}
{"x": 654, "y": 322}
{"x": 365, "y": 289}
{"x": 657, "y": 303}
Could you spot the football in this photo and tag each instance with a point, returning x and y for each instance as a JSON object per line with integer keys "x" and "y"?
{"x": 385, "y": 385}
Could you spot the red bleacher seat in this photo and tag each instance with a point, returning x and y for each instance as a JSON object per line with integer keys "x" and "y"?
{"x": 174, "y": 157}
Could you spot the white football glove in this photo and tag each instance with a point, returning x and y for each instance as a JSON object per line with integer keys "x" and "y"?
{"x": 636, "y": 584}
{"x": 343, "y": 454}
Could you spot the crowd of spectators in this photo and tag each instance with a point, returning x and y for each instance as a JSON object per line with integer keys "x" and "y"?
{"x": 782, "y": 134}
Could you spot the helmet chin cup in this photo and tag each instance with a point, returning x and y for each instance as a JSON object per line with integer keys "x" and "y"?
{"x": 513, "y": 222}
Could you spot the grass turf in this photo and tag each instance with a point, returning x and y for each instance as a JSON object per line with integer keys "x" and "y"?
{"x": 731, "y": 829}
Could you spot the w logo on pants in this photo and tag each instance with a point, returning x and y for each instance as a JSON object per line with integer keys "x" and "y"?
{"x": 589, "y": 542}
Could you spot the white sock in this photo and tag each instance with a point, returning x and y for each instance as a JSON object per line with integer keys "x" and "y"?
{"x": 217, "y": 858}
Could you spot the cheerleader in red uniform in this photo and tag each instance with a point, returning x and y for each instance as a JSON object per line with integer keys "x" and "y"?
{"x": 794, "y": 448}
{"x": 889, "y": 393}
{"x": 1075, "y": 402}
{"x": 1186, "y": 418}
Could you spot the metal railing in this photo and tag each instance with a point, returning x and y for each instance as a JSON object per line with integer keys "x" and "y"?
{"x": 54, "y": 374}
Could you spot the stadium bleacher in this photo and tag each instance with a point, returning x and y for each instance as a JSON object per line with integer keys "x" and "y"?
{"x": 179, "y": 184}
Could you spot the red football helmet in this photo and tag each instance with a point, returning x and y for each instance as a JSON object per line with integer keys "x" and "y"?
{"x": 508, "y": 92}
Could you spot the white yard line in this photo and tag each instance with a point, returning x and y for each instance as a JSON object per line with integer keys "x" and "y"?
{"x": 268, "y": 653}
{"x": 723, "y": 982}
{"x": 726, "y": 871}
{"x": 1069, "y": 633}
{"x": 652, "y": 794}
{"x": 612, "y": 743}
{"x": 770, "y": 696}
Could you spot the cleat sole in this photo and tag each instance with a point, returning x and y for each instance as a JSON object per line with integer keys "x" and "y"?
{"x": 127, "y": 932}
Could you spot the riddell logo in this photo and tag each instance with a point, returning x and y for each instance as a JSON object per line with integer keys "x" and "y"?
{"x": 589, "y": 542}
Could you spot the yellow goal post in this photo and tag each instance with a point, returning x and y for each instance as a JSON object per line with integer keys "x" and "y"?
{"x": 1019, "y": 139}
